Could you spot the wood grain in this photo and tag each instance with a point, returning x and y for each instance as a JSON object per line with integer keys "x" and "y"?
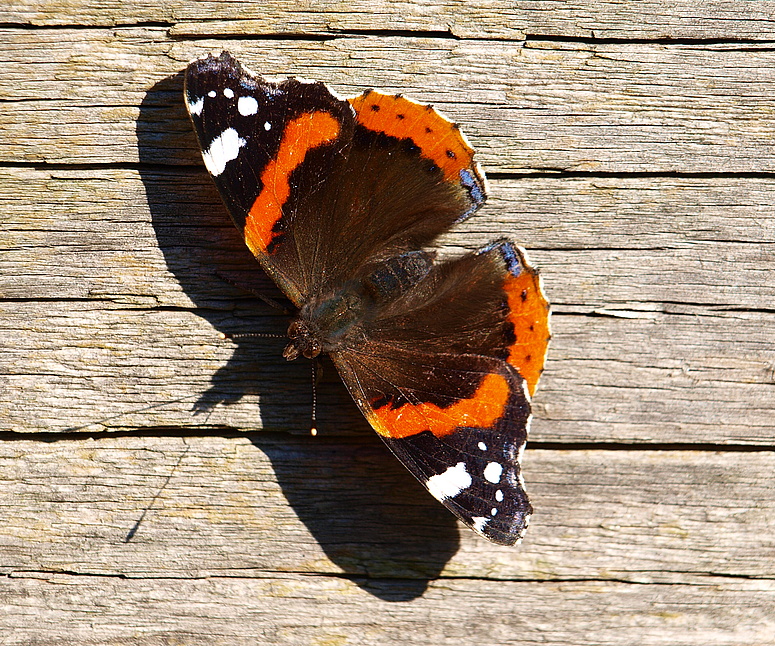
{"x": 608, "y": 107}
{"x": 156, "y": 484}
{"x": 653, "y": 19}
{"x": 248, "y": 506}
{"x": 655, "y": 307}
{"x": 298, "y": 609}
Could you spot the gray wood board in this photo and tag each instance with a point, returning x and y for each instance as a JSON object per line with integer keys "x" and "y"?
{"x": 660, "y": 290}
{"x": 288, "y": 610}
{"x": 633, "y": 19}
{"x": 639, "y": 174}
{"x": 159, "y": 539}
{"x": 85, "y": 96}
{"x": 146, "y": 507}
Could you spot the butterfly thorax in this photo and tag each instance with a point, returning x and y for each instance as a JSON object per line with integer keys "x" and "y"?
{"x": 331, "y": 322}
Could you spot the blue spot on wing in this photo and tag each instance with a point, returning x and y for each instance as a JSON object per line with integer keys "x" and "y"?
{"x": 469, "y": 182}
{"x": 509, "y": 253}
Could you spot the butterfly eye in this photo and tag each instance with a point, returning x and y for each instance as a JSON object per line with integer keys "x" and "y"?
{"x": 312, "y": 349}
{"x": 295, "y": 329}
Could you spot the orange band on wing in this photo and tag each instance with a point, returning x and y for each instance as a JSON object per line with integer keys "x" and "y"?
{"x": 437, "y": 138}
{"x": 481, "y": 411}
{"x": 301, "y": 135}
{"x": 529, "y": 312}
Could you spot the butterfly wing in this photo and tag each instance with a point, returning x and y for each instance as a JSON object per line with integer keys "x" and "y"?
{"x": 444, "y": 378}
{"x": 328, "y": 191}
{"x": 319, "y": 185}
{"x": 254, "y": 137}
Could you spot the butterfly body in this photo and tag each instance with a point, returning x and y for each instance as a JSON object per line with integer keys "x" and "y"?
{"x": 338, "y": 200}
{"x": 326, "y": 325}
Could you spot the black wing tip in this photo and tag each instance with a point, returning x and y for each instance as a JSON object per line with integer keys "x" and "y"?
{"x": 506, "y": 533}
{"x": 222, "y": 65}
{"x": 213, "y": 63}
{"x": 201, "y": 70}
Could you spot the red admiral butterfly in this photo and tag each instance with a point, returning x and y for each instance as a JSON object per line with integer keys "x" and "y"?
{"x": 337, "y": 198}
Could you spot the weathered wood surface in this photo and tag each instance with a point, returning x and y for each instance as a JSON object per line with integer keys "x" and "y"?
{"x": 215, "y": 506}
{"x": 287, "y": 610}
{"x": 638, "y": 171}
{"x": 676, "y": 548}
{"x": 76, "y": 96}
{"x": 653, "y": 19}
{"x": 656, "y": 283}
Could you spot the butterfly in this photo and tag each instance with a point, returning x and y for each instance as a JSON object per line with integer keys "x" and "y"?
{"x": 339, "y": 199}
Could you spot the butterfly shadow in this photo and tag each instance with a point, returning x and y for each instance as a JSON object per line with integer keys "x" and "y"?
{"x": 368, "y": 514}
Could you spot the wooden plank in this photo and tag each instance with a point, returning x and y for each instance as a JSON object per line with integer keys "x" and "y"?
{"x": 173, "y": 526}
{"x": 644, "y": 349}
{"x": 601, "y": 243}
{"x": 297, "y": 609}
{"x": 607, "y": 107}
{"x": 685, "y": 377}
{"x": 269, "y": 505}
{"x": 478, "y": 19}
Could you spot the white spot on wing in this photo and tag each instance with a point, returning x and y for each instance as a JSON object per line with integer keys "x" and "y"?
{"x": 222, "y": 150}
{"x": 211, "y": 94}
{"x": 195, "y": 107}
{"x": 499, "y": 495}
{"x": 267, "y": 126}
{"x": 450, "y": 483}
{"x": 482, "y": 446}
{"x": 492, "y": 472}
{"x": 247, "y": 106}
{"x": 228, "y": 93}
{"x": 493, "y": 511}
{"x": 479, "y": 523}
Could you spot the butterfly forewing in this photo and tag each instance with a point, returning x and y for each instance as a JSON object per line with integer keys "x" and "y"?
{"x": 457, "y": 422}
{"x": 316, "y": 192}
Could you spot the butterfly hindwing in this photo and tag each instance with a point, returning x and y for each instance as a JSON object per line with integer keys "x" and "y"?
{"x": 436, "y": 380}
{"x": 526, "y": 311}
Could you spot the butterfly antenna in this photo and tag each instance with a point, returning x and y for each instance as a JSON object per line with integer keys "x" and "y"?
{"x": 260, "y": 335}
{"x": 313, "y": 427}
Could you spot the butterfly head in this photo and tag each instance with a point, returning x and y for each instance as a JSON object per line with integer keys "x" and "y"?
{"x": 326, "y": 323}
{"x": 302, "y": 342}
